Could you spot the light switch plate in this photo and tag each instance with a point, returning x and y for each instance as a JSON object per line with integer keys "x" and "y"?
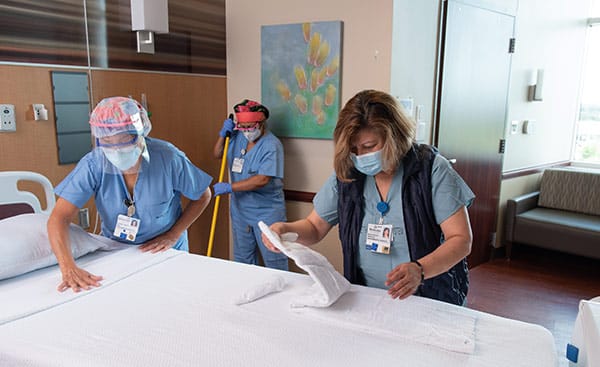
{"x": 7, "y": 118}
{"x": 514, "y": 127}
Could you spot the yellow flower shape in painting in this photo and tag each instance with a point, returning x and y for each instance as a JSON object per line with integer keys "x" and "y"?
{"x": 301, "y": 76}
{"x": 284, "y": 90}
{"x": 315, "y": 88}
{"x": 301, "y": 103}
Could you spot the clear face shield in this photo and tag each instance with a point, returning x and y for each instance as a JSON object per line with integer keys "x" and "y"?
{"x": 119, "y": 126}
{"x": 123, "y": 153}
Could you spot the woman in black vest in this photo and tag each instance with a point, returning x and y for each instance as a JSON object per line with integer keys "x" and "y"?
{"x": 386, "y": 183}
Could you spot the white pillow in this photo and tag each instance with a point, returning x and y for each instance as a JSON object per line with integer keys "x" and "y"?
{"x": 24, "y": 244}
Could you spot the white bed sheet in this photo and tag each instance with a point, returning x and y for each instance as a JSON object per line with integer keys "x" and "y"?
{"x": 586, "y": 333}
{"x": 177, "y": 309}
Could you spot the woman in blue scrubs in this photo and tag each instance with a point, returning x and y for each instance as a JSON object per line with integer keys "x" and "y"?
{"x": 255, "y": 159}
{"x": 385, "y": 183}
{"x": 137, "y": 183}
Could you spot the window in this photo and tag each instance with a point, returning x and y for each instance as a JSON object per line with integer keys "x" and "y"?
{"x": 587, "y": 138}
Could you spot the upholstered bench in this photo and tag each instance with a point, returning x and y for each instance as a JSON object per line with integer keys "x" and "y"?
{"x": 564, "y": 215}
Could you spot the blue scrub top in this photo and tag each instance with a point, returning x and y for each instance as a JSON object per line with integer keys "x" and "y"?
{"x": 157, "y": 192}
{"x": 265, "y": 158}
{"x": 449, "y": 193}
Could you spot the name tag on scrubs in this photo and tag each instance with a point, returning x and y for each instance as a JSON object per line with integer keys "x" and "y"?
{"x": 238, "y": 164}
{"x": 127, "y": 228}
{"x": 379, "y": 238}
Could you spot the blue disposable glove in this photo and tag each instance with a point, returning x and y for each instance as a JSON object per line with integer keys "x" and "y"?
{"x": 222, "y": 188}
{"x": 228, "y": 126}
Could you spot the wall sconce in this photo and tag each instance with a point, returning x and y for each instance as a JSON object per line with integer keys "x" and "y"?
{"x": 536, "y": 84}
{"x": 149, "y": 17}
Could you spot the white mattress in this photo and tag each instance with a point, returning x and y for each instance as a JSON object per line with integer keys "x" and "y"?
{"x": 177, "y": 309}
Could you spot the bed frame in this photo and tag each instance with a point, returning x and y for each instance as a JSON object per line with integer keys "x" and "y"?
{"x": 14, "y": 201}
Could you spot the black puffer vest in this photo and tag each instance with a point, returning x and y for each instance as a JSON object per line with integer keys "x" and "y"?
{"x": 419, "y": 222}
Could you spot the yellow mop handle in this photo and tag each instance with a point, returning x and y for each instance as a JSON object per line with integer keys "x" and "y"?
{"x": 217, "y": 199}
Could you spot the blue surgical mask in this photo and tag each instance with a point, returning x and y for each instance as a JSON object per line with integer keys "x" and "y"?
{"x": 370, "y": 164}
{"x": 252, "y": 135}
{"x": 123, "y": 159}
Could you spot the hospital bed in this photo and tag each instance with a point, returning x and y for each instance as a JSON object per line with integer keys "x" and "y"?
{"x": 180, "y": 309}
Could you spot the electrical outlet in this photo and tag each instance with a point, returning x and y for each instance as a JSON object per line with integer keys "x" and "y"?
{"x": 7, "y": 118}
{"x": 84, "y": 218}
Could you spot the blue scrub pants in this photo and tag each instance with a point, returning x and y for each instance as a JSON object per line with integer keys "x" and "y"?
{"x": 246, "y": 240}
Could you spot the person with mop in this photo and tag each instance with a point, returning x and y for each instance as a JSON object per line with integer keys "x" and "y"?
{"x": 255, "y": 161}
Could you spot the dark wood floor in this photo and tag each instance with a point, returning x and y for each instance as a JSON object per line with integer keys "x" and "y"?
{"x": 538, "y": 286}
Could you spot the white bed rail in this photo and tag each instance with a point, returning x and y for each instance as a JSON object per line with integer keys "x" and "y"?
{"x": 10, "y": 193}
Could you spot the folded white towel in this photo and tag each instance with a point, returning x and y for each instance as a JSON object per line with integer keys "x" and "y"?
{"x": 274, "y": 284}
{"x": 329, "y": 284}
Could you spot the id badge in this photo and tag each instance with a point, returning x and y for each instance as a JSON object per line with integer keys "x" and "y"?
{"x": 127, "y": 227}
{"x": 379, "y": 238}
{"x": 238, "y": 164}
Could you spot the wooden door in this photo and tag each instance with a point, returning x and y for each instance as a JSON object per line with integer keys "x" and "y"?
{"x": 472, "y": 103}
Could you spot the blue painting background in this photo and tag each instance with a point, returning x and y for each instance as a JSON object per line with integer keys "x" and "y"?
{"x": 283, "y": 48}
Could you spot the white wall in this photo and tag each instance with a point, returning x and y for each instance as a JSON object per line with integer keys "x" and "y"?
{"x": 414, "y": 50}
{"x": 551, "y": 36}
{"x": 365, "y": 64}
{"x": 553, "y": 40}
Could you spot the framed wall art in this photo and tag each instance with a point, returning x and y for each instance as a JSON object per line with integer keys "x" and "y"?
{"x": 300, "y": 78}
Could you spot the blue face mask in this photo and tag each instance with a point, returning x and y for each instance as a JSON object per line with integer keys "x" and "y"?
{"x": 370, "y": 164}
{"x": 123, "y": 159}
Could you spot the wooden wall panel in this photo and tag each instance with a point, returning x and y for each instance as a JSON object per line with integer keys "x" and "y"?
{"x": 187, "y": 110}
{"x": 33, "y": 146}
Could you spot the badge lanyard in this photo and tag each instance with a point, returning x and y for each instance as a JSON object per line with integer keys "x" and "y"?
{"x": 382, "y": 208}
{"x": 130, "y": 204}
{"x": 379, "y": 236}
{"x": 127, "y": 227}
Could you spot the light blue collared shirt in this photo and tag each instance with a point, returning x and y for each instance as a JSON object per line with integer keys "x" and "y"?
{"x": 265, "y": 158}
{"x": 449, "y": 193}
{"x": 157, "y": 193}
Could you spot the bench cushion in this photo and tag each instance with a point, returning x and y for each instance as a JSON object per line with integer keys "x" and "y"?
{"x": 571, "y": 189}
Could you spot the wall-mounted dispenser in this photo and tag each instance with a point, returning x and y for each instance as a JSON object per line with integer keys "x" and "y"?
{"x": 149, "y": 17}
{"x": 39, "y": 112}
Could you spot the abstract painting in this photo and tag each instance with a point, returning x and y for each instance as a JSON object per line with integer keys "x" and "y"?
{"x": 300, "y": 78}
